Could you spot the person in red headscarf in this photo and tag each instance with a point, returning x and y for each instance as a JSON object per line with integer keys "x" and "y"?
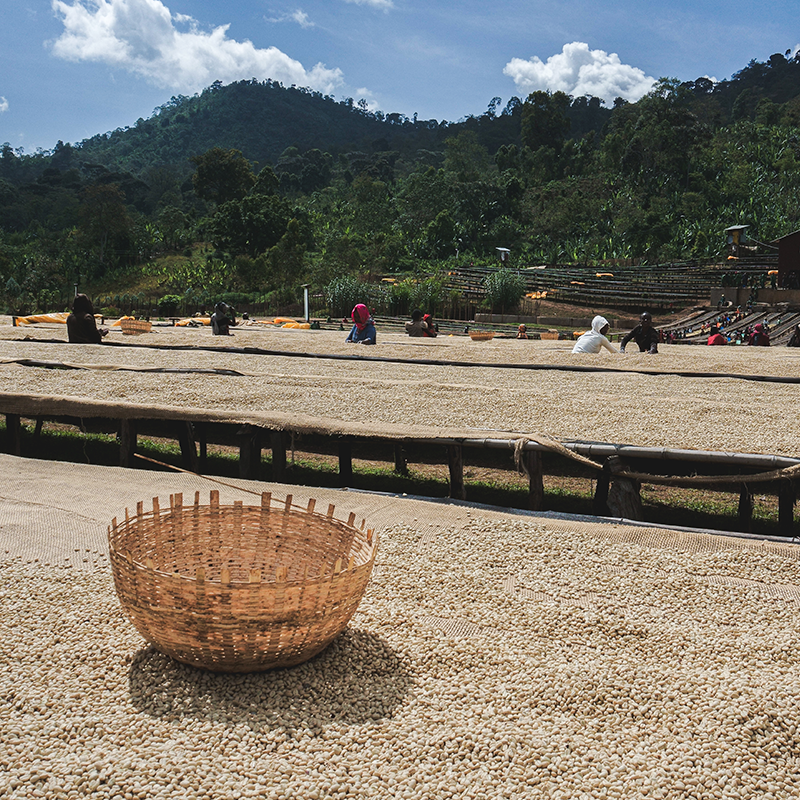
{"x": 432, "y": 329}
{"x": 363, "y": 330}
{"x": 759, "y": 336}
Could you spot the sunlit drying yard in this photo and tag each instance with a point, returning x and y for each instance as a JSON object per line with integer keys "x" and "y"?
{"x": 496, "y": 652}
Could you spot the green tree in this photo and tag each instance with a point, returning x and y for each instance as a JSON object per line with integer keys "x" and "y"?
{"x": 370, "y": 205}
{"x": 173, "y": 227}
{"x": 266, "y": 182}
{"x": 168, "y": 305}
{"x": 251, "y": 225}
{"x": 441, "y": 236}
{"x": 286, "y": 258}
{"x": 655, "y": 142}
{"x": 106, "y": 227}
{"x": 308, "y": 172}
{"x": 427, "y": 294}
{"x": 544, "y": 120}
{"x": 466, "y": 158}
{"x": 222, "y": 175}
{"x": 421, "y": 198}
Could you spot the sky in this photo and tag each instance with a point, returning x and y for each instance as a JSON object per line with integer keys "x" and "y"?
{"x": 70, "y": 69}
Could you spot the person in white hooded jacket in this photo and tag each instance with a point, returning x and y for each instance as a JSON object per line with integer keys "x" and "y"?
{"x": 593, "y": 340}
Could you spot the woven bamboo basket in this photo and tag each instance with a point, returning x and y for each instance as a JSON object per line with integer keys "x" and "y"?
{"x": 481, "y": 336}
{"x": 133, "y": 327}
{"x": 240, "y": 588}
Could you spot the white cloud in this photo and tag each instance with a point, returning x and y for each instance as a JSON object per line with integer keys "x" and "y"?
{"x": 579, "y": 71}
{"x": 299, "y": 16}
{"x": 385, "y": 5}
{"x": 142, "y": 36}
{"x": 3, "y": 105}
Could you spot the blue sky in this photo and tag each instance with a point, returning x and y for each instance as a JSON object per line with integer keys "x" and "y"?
{"x": 72, "y": 68}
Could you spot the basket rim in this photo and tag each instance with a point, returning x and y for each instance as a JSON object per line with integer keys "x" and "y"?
{"x": 267, "y": 501}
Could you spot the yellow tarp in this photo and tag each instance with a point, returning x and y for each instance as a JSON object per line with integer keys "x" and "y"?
{"x": 31, "y": 320}
{"x": 183, "y": 323}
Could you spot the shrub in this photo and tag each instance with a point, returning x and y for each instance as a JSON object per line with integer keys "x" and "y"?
{"x": 343, "y": 293}
{"x": 504, "y": 289}
{"x": 428, "y": 295}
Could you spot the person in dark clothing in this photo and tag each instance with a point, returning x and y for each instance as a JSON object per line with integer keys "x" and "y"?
{"x": 644, "y": 334}
{"x": 81, "y": 327}
{"x": 794, "y": 341}
{"x": 222, "y": 320}
{"x": 417, "y": 327}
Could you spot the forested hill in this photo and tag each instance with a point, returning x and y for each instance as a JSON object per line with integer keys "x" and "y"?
{"x": 263, "y": 119}
{"x": 284, "y": 186}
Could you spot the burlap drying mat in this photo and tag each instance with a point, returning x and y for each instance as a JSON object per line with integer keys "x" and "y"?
{"x": 33, "y": 405}
{"x": 56, "y": 514}
{"x": 28, "y": 405}
{"x": 437, "y": 362}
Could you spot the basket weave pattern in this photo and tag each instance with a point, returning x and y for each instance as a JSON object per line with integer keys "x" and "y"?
{"x": 481, "y": 336}
{"x": 133, "y": 327}
{"x": 239, "y": 588}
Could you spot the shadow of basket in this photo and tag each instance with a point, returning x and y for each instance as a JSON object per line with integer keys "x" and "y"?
{"x": 358, "y": 679}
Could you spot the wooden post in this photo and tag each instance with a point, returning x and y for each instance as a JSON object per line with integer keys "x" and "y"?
{"x": 249, "y": 452}
{"x": 37, "y": 431}
{"x": 455, "y": 462}
{"x": 533, "y": 464}
{"x": 188, "y": 446}
{"x": 400, "y": 463}
{"x": 623, "y": 495}
{"x": 624, "y": 499}
{"x": 127, "y": 442}
{"x": 345, "y": 461}
{"x": 786, "y": 501}
{"x": 601, "y": 491}
{"x": 278, "y": 447}
{"x": 13, "y": 434}
{"x": 745, "y": 508}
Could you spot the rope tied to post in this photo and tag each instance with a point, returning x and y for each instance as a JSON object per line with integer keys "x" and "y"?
{"x": 551, "y": 444}
{"x": 785, "y": 473}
